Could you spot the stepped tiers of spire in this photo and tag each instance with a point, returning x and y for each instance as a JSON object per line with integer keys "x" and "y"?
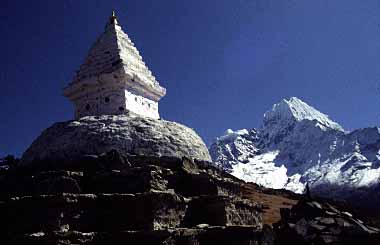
{"x": 114, "y": 79}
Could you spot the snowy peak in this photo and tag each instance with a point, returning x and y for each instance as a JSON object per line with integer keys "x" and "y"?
{"x": 232, "y": 135}
{"x": 295, "y": 110}
{"x": 297, "y": 145}
{"x": 234, "y": 147}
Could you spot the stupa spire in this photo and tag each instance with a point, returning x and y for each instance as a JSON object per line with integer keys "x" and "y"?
{"x": 112, "y": 19}
{"x": 114, "y": 79}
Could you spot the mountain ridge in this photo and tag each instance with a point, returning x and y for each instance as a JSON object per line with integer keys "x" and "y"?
{"x": 297, "y": 145}
{"x": 297, "y": 110}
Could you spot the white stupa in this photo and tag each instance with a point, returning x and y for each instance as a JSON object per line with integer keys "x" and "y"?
{"x": 114, "y": 79}
{"x": 116, "y": 108}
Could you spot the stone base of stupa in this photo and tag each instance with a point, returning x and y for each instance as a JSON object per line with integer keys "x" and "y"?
{"x": 124, "y": 179}
{"x": 128, "y": 134}
{"x": 111, "y": 199}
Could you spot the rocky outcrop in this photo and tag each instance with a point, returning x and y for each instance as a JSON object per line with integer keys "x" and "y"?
{"x": 127, "y": 199}
{"x": 223, "y": 210}
{"x": 66, "y": 142}
{"x": 317, "y": 222}
{"x": 93, "y": 212}
{"x": 114, "y": 198}
{"x": 230, "y": 235}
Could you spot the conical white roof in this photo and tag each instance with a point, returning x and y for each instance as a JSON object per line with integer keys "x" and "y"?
{"x": 114, "y": 52}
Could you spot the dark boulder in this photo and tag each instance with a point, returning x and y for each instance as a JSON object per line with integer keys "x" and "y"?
{"x": 318, "y": 222}
{"x": 223, "y": 211}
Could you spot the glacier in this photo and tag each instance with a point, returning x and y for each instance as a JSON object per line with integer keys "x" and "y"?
{"x": 299, "y": 145}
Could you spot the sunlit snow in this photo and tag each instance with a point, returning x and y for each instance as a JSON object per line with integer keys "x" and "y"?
{"x": 298, "y": 145}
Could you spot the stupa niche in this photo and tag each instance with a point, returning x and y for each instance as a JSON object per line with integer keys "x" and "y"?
{"x": 114, "y": 78}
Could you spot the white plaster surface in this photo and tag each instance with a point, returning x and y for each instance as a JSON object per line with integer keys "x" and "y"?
{"x": 141, "y": 105}
{"x": 114, "y": 69}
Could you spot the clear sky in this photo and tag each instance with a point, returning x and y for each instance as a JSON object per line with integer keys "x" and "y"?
{"x": 223, "y": 62}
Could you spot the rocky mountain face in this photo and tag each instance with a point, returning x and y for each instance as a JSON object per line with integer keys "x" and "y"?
{"x": 297, "y": 145}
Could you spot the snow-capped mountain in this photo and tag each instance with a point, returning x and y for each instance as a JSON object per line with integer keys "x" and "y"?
{"x": 296, "y": 145}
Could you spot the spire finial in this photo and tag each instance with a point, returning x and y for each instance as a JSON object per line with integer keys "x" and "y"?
{"x": 113, "y": 17}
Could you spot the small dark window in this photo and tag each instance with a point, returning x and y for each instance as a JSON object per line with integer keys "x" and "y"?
{"x": 136, "y": 99}
{"x": 88, "y": 107}
{"x": 106, "y": 99}
{"x": 116, "y": 62}
{"x": 121, "y": 108}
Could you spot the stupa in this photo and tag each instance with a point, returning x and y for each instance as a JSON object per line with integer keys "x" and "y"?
{"x": 116, "y": 99}
{"x": 114, "y": 78}
{"x": 118, "y": 174}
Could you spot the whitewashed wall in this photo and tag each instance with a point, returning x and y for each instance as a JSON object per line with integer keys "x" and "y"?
{"x": 141, "y": 105}
{"x": 114, "y": 79}
{"x": 114, "y": 101}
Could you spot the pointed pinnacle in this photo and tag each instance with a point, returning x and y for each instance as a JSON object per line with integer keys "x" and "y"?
{"x": 113, "y": 17}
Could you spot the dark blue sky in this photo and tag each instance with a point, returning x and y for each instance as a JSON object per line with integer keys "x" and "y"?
{"x": 223, "y": 62}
